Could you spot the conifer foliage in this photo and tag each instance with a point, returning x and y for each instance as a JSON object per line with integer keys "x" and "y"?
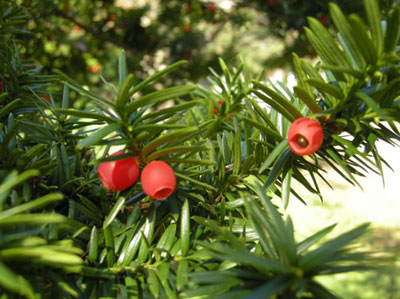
{"x": 212, "y": 229}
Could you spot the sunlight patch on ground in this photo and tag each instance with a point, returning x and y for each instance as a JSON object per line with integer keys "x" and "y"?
{"x": 349, "y": 205}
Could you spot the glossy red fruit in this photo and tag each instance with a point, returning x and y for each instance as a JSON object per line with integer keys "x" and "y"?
{"x": 212, "y": 7}
{"x": 158, "y": 180}
{"x": 120, "y": 174}
{"x": 305, "y": 136}
{"x": 186, "y": 28}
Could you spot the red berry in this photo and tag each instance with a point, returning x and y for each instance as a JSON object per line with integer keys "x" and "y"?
{"x": 76, "y": 28}
{"x": 95, "y": 69}
{"x": 186, "y": 28}
{"x": 158, "y": 180}
{"x": 120, "y": 174}
{"x": 27, "y": 3}
{"x": 187, "y": 10}
{"x": 305, "y": 136}
{"x": 215, "y": 108}
{"x": 324, "y": 20}
{"x": 271, "y": 2}
{"x": 211, "y": 7}
{"x": 46, "y": 98}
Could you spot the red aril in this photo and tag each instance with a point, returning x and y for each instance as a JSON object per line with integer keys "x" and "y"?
{"x": 46, "y": 98}
{"x": 158, "y": 180}
{"x": 215, "y": 108}
{"x": 305, "y": 136}
{"x": 119, "y": 174}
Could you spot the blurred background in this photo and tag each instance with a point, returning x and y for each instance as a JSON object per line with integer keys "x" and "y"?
{"x": 84, "y": 38}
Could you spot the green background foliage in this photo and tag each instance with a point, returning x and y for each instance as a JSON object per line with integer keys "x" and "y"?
{"x": 84, "y": 37}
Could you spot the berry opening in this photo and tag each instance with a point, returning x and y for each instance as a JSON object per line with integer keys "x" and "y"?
{"x": 163, "y": 193}
{"x": 302, "y": 141}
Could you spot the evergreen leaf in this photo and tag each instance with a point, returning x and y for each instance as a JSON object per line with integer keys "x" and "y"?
{"x": 122, "y": 69}
{"x": 392, "y": 33}
{"x": 114, "y": 211}
{"x": 185, "y": 228}
{"x": 374, "y": 18}
{"x": 156, "y": 76}
{"x": 98, "y": 135}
